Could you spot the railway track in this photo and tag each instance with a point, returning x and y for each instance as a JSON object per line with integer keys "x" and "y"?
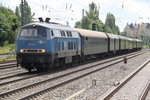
{"x": 8, "y": 65}
{"x": 11, "y": 72}
{"x": 7, "y": 61}
{"x": 113, "y": 91}
{"x": 145, "y": 91}
{"x": 20, "y": 71}
{"x": 15, "y": 78}
{"x": 82, "y": 72}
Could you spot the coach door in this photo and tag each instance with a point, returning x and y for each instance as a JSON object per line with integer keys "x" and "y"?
{"x": 115, "y": 45}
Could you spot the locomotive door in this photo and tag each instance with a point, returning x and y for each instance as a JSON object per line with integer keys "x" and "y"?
{"x": 56, "y": 45}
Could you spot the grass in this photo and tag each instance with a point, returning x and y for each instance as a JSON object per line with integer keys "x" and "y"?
{"x": 145, "y": 46}
{"x": 7, "y": 48}
{"x": 8, "y": 58}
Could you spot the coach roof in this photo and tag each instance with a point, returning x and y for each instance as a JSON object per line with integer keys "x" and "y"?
{"x": 123, "y": 37}
{"x": 90, "y": 33}
{"x": 112, "y": 36}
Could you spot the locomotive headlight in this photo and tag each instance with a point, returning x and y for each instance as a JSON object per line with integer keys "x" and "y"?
{"x": 43, "y": 50}
{"x": 21, "y": 50}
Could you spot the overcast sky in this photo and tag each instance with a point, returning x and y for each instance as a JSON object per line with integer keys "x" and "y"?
{"x": 125, "y": 11}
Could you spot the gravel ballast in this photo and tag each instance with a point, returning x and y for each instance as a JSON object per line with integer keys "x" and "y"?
{"x": 105, "y": 79}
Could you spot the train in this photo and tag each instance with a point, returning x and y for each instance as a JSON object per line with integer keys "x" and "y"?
{"x": 43, "y": 45}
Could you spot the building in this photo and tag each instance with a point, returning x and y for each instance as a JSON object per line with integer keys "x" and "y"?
{"x": 140, "y": 31}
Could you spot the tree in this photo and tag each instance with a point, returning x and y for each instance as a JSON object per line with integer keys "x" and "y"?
{"x": 92, "y": 17}
{"x": 6, "y": 22}
{"x": 27, "y": 17}
{"x": 110, "y": 24}
{"x": 17, "y": 12}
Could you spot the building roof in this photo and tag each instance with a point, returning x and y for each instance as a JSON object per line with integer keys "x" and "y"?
{"x": 133, "y": 26}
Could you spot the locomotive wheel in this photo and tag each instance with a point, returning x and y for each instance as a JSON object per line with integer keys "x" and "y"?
{"x": 29, "y": 70}
{"x": 42, "y": 67}
{"x": 56, "y": 63}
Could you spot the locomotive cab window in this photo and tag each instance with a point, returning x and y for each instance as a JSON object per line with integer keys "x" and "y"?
{"x": 37, "y": 32}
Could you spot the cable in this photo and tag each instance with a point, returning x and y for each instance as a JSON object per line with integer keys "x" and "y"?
{"x": 54, "y": 10}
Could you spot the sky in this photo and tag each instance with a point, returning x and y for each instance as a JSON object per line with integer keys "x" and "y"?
{"x": 61, "y": 11}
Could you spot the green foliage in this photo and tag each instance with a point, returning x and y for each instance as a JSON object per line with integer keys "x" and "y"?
{"x": 7, "y": 34}
{"x": 27, "y": 17}
{"x": 8, "y": 58}
{"x": 6, "y": 23}
{"x": 7, "y": 48}
{"x": 92, "y": 16}
{"x": 18, "y": 13}
{"x": 110, "y": 24}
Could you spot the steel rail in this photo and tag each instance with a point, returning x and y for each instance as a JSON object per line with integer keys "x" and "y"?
{"x": 145, "y": 91}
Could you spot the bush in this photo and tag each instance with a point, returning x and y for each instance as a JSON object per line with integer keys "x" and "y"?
{"x": 6, "y": 22}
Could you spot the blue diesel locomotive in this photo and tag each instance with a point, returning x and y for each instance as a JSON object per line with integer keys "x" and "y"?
{"x": 43, "y": 45}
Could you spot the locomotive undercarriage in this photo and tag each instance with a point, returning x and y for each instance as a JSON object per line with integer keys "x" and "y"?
{"x": 37, "y": 61}
{"x": 43, "y": 62}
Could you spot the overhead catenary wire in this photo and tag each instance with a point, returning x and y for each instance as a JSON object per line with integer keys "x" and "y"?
{"x": 50, "y": 9}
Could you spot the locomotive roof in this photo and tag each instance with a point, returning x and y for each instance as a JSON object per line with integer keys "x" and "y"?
{"x": 90, "y": 33}
{"x": 50, "y": 25}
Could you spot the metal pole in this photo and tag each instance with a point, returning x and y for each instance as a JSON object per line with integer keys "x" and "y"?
{"x": 22, "y": 1}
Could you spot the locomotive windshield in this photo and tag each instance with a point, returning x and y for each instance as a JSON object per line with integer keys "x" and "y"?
{"x": 34, "y": 32}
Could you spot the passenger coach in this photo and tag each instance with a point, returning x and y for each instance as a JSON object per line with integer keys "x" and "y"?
{"x": 93, "y": 44}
